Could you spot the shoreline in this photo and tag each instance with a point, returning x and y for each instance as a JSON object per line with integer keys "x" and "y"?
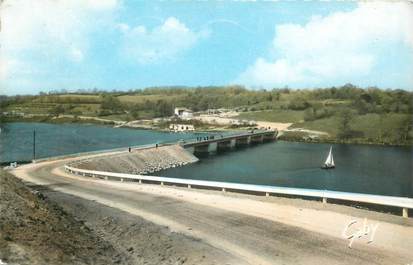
{"x": 335, "y": 141}
{"x": 114, "y": 123}
{"x": 293, "y": 138}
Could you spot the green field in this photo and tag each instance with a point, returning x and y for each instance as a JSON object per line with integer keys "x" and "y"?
{"x": 373, "y": 128}
{"x": 288, "y": 116}
{"x": 138, "y": 99}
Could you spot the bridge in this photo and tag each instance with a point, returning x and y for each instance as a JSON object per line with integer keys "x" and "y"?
{"x": 201, "y": 144}
{"x": 225, "y": 142}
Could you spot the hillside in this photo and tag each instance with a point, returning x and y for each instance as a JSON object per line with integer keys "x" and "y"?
{"x": 347, "y": 113}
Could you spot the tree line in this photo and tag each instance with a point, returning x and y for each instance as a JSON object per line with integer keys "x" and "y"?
{"x": 314, "y": 102}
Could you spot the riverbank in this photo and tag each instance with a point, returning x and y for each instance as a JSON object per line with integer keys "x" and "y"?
{"x": 138, "y": 124}
{"x": 58, "y": 119}
{"x": 289, "y": 131}
{"x": 308, "y": 137}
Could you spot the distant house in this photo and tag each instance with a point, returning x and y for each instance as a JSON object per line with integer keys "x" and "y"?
{"x": 213, "y": 111}
{"x": 181, "y": 127}
{"x": 183, "y": 113}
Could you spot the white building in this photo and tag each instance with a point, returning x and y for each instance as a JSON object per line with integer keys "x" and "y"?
{"x": 181, "y": 127}
{"x": 183, "y": 113}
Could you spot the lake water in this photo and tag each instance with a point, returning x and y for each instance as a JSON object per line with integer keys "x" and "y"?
{"x": 16, "y": 139}
{"x": 359, "y": 168}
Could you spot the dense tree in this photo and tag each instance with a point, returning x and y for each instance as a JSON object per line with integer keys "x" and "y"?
{"x": 298, "y": 104}
{"x": 309, "y": 114}
{"x": 163, "y": 109}
{"x": 57, "y": 110}
{"x": 134, "y": 111}
{"x": 345, "y": 118}
{"x": 404, "y": 128}
{"x": 111, "y": 103}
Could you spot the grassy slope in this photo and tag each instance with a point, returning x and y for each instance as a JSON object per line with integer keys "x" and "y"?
{"x": 52, "y": 119}
{"x": 274, "y": 116}
{"x": 371, "y": 125}
{"x": 45, "y": 108}
{"x": 94, "y": 97}
{"x": 142, "y": 98}
{"x": 45, "y": 105}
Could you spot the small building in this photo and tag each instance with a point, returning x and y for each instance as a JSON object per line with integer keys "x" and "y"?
{"x": 181, "y": 127}
{"x": 213, "y": 111}
{"x": 183, "y": 113}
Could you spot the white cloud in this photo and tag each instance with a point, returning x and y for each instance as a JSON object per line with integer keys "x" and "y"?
{"x": 49, "y": 31}
{"x": 101, "y": 4}
{"x": 76, "y": 55}
{"x": 340, "y": 47}
{"x": 5, "y": 67}
{"x": 165, "y": 41}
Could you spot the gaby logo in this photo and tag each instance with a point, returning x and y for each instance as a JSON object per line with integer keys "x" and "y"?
{"x": 356, "y": 230}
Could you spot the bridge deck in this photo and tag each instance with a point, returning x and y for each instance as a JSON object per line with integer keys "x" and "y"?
{"x": 224, "y": 138}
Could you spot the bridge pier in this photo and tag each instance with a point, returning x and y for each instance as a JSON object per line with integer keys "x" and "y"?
{"x": 269, "y": 137}
{"x": 256, "y": 139}
{"x": 244, "y": 141}
{"x": 224, "y": 145}
{"x": 405, "y": 213}
{"x": 204, "y": 148}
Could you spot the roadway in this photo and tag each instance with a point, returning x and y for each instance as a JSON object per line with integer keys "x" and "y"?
{"x": 249, "y": 229}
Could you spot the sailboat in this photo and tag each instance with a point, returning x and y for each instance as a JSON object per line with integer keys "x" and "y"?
{"x": 329, "y": 164}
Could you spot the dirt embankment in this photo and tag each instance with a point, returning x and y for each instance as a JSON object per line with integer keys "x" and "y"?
{"x": 34, "y": 230}
{"x": 140, "y": 161}
{"x": 40, "y": 226}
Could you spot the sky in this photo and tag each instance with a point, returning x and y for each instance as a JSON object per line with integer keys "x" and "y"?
{"x": 124, "y": 44}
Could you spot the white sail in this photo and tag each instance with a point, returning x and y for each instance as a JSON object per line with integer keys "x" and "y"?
{"x": 330, "y": 160}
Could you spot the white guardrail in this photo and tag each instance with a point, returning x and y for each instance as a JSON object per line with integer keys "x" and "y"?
{"x": 400, "y": 202}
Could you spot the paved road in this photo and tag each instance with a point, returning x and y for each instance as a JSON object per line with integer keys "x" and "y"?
{"x": 251, "y": 240}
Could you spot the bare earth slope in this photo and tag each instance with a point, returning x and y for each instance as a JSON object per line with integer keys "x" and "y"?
{"x": 34, "y": 230}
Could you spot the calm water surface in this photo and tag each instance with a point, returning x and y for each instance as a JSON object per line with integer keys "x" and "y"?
{"x": 16, "y": 139}
{"x": 359, "y": 168}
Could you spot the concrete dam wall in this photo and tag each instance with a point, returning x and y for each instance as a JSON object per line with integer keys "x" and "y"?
{"x": 140, "y": 161}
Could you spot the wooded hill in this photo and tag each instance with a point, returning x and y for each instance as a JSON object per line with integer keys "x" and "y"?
{"x": 347, "y": 112}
